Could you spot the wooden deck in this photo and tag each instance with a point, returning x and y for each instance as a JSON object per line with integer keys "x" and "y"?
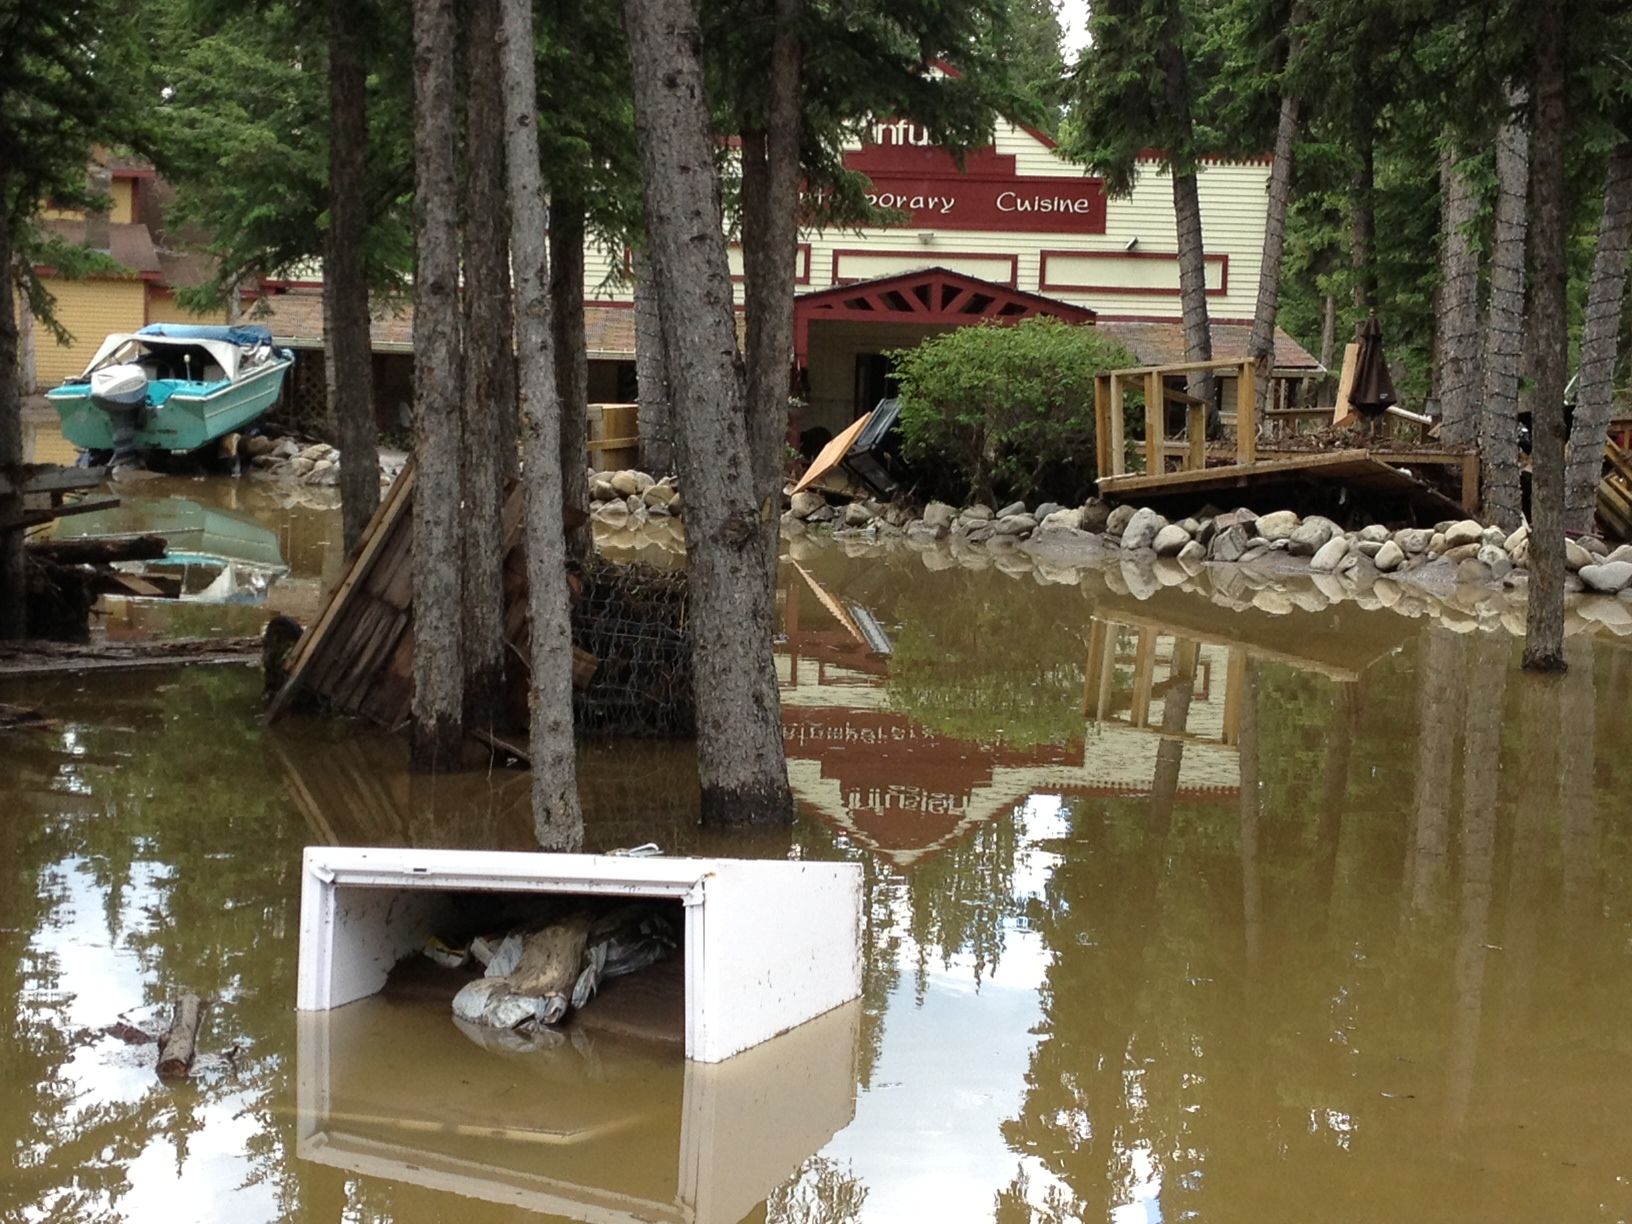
{"x": 1353, "y": 469}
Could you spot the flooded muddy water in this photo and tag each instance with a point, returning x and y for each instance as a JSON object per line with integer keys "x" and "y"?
{"x": 1170, "y": 913}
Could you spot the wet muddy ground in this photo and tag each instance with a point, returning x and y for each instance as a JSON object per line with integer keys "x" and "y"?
{"x": 1171, "y": 912}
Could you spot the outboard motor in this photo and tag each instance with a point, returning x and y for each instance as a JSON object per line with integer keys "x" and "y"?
{"x": 121, "y": 392}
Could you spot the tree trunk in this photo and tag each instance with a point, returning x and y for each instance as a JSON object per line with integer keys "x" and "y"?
{"x": 1164, "y": 780}
{"x": 1261, "y": 345}
{"x": 739, "y": 734}
{"x": 28, "y": 356}
{"x": 349, "y": 360}
{"x": 1198, "y": 332}
{"x": 13, "y": 598}
{"x": 1549, "y": 324}
{"x": 1456, "y": 320}
{"x": 550, "y": 741}
{"x": 1328, "y": 348}
{"x": 770, "y": 242}
{"x": 489, "y": 358}
{"x": 1363, "y": 224}
{"x": 1600, "y": 339}
{"x": 1438, "y": 716}
{"x": 1504, "y": 328}
{"x": 438, "y": 710}
{"x": 652, "y": 373}
{"x": 180, "y": 1041}
{"x": 571, "y": 359}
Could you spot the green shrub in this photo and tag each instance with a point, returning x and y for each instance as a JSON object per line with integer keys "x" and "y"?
{"x": 1000, "y": 412}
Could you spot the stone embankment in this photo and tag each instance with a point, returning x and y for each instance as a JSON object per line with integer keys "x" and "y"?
{"x": 1234, "y": 555}
{"x": 312, "y": 463}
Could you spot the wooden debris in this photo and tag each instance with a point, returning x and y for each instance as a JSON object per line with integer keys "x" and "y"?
{"x": 177, "y": 1046}
{"x": 37, "y": 518}
{"x": 16, "y": 717}
{"x": 94, "y": 550}
{"x": 37, "y": 658}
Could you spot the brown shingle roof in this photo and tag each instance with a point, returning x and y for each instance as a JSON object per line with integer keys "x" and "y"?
{"x": 296, "y": 321}
{"x": 129, "y": 244}
{"x": 1163, "y": 344}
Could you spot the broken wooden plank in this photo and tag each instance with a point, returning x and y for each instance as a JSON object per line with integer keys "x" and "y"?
{"x": 32, "y": 478}
{"x": 99, "y": 550}
{"x": 180, "y": 1042}
{"x": 48, "y": 514}
{"x": 35, "y": 658}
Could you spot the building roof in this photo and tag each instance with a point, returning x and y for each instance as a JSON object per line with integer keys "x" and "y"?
{"x": 296, "y": 321}
{"x": 129, "y": 244}
{"x": 1163, "y": 344}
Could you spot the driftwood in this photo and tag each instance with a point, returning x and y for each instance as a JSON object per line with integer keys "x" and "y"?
{"x": 93, "y": 551}
{"x": 177, "y": 1046}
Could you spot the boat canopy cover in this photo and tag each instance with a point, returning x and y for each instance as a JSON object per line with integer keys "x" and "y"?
{"x": 128, "y": 346}
{"x": 247, "y": 334}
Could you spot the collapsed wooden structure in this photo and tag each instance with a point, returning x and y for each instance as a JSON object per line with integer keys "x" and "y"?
{"x": 1176, "y": 467}
{"x": 632, "y": 648}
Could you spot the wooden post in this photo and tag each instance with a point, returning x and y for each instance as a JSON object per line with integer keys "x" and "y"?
{"x": 1470, "y": 483}
{"x": 1102, "y": 425}
{"x": 1119, "y": 456}
{"x": 1246, "y": 414}
{"x": 1195, "y": 431}
{"x": 1235, "y": 680}
{"x": 1144, "y": 673}
{"x": 1098, "y": 664}
{"x": 1155, "y": 424}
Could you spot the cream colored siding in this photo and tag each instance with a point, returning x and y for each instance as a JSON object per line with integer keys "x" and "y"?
{"x": 1233, "y": 205}
{"x": 89, "y": 310}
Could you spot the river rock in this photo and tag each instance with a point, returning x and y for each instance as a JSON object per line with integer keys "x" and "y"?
{"x": 1241, "y": 517}
{"x": 1142, "y": 528}
{"x": 1014, "y": 525}
{"x": 1275, "y": 602}
{"x": 612, "y": 513}
{"x": 1576, "y": 556}
{"x": 1116, "y": 522}
{"x": 921, "y": 531}
{"x": 1468, "y": 531}
{"x": 259, "y": 445}
{"x": 659, "y": 495}
{"x": 1046, "y": 509}
{"x": 1623, "y": 553}
{"x": 1595, "y": 546}
{"x": 316, "y": 451}
{"x": 298, "y": 466}
{"x": 623, "y": 483}
{"x": 1277, "y": 526}
{"x": 1063, "y": 518}
{"x": 1608, "y": 577}
{"x": 1389, "y": 557}
{"x": 978, "y": 534}
{"x": 600, "y": 489}
{"x": 1369, "y": 548}
{"x": 1169, "y": 540}
{"x": 1413, "y": 541}
{"x": 1462, "y": 552}
{"x": 803, "y": 504}
{"x": 857, "y": 515}
{"x": 1329, "y": 554}
{"x": 1494, "y": 558}
{"x": 1229, "y": 543}
{"x": 1309, "y": 537}
{"x": 978, "y": 511}
{"x": 1095, "y": 515}
{"x": 1012, "y": 509}
{"x": 1472, "y": 571}
{"x": 939, "y": 514}
{"x": 1375, "y": 533}
{"x": 1192, "y": 554}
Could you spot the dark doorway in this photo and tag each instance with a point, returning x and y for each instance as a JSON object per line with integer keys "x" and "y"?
{"x": 875, "y": 380}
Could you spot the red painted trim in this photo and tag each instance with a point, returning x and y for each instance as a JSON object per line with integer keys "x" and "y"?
{"x": 1048, "y": 286}
{"x": 132, "y": 174}
{"x": 1178, "y": 319}
{"x": 609, "y": 304}
{"x": 932, "y": 256}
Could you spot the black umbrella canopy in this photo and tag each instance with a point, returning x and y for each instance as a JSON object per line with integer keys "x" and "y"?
{"x": 1373, "y": 389}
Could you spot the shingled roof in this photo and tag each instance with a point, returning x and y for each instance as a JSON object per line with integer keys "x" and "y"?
{"x": 1163, "y": 344}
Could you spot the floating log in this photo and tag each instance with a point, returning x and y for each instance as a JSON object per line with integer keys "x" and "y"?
{"x": 177, "y": 1046}
{"x": 104, "y": 551}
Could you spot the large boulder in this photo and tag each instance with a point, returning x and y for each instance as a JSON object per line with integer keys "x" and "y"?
{"x": 1142, "y": 528}
{"x": 1468, "y": 531}
{"x": 1064, "y": 518}
{"x": 939, "y": 514}
{"x": 1277, "y": 526}
{"x": 1328, "y": 555}
{"x": 1117, "y": 520}
{"x": 1389, "y": 557}
{"x": 1310, "y": 536}
{"x": 856, "y": 514}
{"x": 1229, "y": 543}
{"x": 1095, "y": 515}
{"x": 1494, "y": 558}
{"x": 1170, "y": 540}
{"x": 1608, "y": 577}
{"x": 806, "y": 503}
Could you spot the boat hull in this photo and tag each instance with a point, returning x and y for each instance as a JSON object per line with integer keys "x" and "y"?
{"x": 178, "y": 416}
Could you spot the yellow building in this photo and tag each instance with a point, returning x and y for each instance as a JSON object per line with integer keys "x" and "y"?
{"x": 141, "y": 292}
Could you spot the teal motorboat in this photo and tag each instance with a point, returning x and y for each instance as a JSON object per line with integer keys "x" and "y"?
{"x": 171, "y": 387}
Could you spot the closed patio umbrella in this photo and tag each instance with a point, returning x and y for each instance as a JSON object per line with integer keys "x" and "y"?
{"x": 1373, "y": 392}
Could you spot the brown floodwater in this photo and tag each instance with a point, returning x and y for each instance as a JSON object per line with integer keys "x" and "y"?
{"x": 1171, "y": 912}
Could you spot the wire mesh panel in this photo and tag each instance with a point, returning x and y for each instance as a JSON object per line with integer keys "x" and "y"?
{"x": 632, "y": 618}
